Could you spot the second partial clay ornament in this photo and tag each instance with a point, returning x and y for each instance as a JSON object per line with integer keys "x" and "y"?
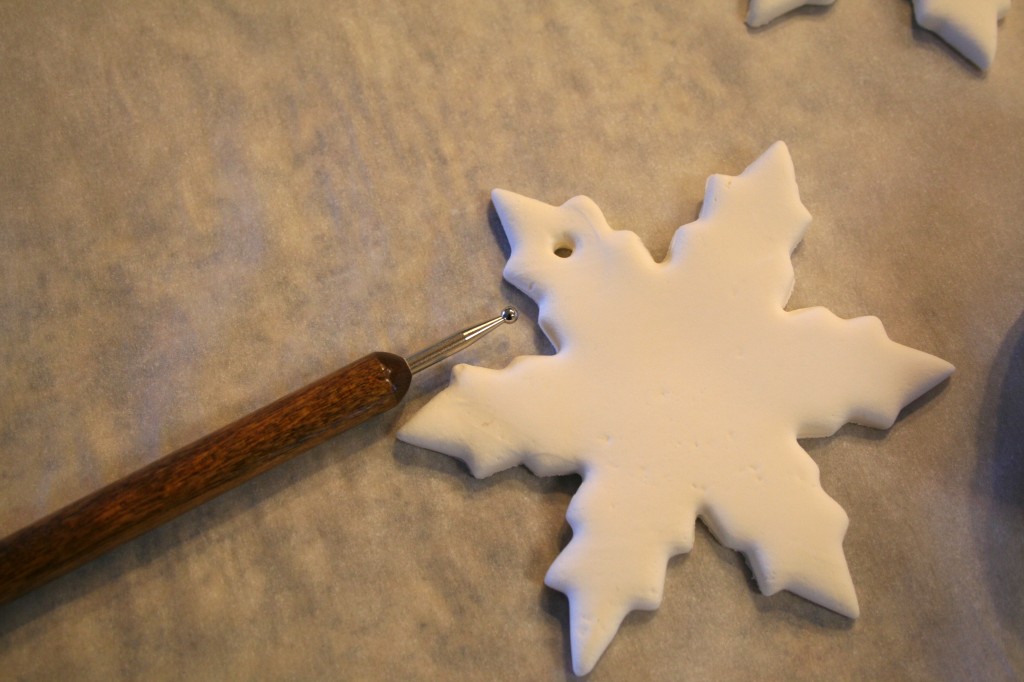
{"x": 761, "y": 12}
{"x": 970, "y": 26}
{"x": 678, "y": 390}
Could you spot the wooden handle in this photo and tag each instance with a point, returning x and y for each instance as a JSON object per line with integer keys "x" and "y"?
{"x": 188, "y": 477}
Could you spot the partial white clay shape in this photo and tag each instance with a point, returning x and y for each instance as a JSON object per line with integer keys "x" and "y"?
{"x": 678, "y": 390}
{"x": 761, "y": 12}
{"x": 970, "y": 26}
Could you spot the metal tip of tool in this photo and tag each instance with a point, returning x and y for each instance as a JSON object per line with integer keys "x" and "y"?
{"x": 458, "y": 341}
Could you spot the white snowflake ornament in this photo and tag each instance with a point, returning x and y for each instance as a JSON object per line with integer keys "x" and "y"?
{"x": 678, "y": 390}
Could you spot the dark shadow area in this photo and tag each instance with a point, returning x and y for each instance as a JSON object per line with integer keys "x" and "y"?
{"x": 998, "y": 484}
{"x": 556, "y": 605}
{"x": 152, "y": 546}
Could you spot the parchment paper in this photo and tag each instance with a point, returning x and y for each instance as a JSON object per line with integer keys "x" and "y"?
{"x": 204, "y": 205}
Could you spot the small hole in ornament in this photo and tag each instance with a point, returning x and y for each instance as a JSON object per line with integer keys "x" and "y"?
{"x": 563, "y": 251}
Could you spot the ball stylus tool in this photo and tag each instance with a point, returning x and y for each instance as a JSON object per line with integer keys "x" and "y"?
{"x": 187, "y": 477}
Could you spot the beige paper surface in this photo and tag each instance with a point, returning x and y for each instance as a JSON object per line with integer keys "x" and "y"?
{"x": 206, "y": 205}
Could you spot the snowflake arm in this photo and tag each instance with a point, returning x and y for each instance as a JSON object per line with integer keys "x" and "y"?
{"x": 652, "y": 523}
{"x": 792, "y": 534}
{"x": 748, "y": 226}
{"x": 853, "y": 372}
{"x": 761, "y": 12}
{"x": 970, "y": 26}
{"x": 602, "y": 259}
{"x": 479, "y": 420}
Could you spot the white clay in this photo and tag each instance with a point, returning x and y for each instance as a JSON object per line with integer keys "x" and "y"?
{"x": 970, "y": 26}
{"x": 761, "y": 12}
{"x": 678, "y": 390}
